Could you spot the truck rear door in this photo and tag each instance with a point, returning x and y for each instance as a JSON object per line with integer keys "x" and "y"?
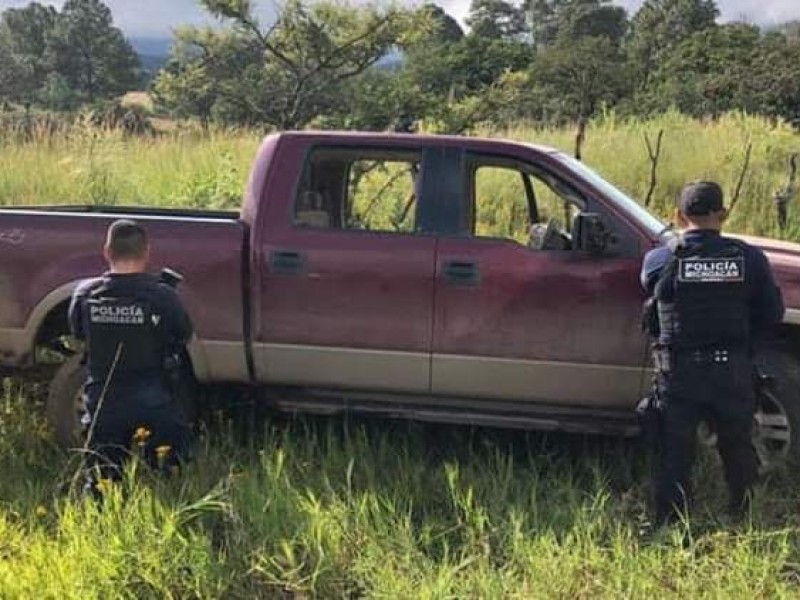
{"x": 523, "y": 317}
{"x": 346, "y": 280}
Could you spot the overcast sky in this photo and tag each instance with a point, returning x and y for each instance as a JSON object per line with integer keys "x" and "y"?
{"x": 157, "y": 17}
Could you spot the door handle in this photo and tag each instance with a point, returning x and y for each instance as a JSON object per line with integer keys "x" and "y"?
{"x": 286, "y": 262}
{"x": 462, "y": 272}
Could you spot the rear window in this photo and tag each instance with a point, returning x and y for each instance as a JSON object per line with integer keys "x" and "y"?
{"x": 359, "y": 190}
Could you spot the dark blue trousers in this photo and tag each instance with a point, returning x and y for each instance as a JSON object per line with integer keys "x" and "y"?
{"x": 143, "y": 406}
{"x": 698, "y": 388}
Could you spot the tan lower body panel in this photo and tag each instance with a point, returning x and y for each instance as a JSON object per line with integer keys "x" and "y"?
{"x": 406, "y": 372}
{"x": 456, "y": 376}
{"x": 15, "y": 347}
{"x": 792, "y": 316}
{"x": 215, "y": 361}
{"x": 600, "y": 386}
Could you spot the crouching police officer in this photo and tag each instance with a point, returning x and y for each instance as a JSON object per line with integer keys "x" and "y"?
{"x": 130, "y": 322}
{"x": 715, "y": 297}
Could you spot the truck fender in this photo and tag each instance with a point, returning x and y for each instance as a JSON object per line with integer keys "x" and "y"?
{"x": 27, "y": 339}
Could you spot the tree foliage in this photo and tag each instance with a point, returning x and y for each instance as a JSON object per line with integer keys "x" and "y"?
{"x": 496, "y": 19}
{"x": 661, "y": 26}
{"x": 546, "y": 60}
{"x": 92, "y": 55}
{"x": 60, "y": 59}
{"x": 575, "y": 78}
{"x": 328, "y": 64}
{"x": 283, "y": 76}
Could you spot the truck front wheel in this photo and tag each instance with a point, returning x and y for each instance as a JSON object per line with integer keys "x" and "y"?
{"x": 65, "y": 402}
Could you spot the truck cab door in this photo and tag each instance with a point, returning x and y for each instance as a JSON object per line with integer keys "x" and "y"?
{"x": 347, "y": 279}
{"x": 520, "y": 314}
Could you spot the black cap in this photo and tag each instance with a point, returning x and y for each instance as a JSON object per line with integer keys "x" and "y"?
{"x": 701, "y": 198}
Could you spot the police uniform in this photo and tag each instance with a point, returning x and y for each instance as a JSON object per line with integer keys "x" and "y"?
{"x": 130, "y": 322}
{"x": 715, "y": 297}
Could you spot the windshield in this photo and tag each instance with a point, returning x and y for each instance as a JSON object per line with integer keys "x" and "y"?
{"x": 654, "y": 225}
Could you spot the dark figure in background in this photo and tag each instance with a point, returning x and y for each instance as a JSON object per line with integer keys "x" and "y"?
{"x": 405, "y": 124}
{"x": 715, "y": 297}
{"x": 132, "y": 323}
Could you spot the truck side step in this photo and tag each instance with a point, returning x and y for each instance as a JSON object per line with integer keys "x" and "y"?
{"x": 484, "y": 413}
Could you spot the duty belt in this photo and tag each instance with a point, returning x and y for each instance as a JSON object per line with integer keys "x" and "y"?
{"x": 663, "y": 357}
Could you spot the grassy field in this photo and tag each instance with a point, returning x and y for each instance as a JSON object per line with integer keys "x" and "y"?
{"x": 334, "y": 508}
{"x": 342, "y": 508}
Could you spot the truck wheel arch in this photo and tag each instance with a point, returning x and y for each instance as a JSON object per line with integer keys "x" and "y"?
{"x": 49, "y": 320}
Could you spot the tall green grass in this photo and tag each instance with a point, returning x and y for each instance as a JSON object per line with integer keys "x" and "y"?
{"x": 188, "y": 168}
{"x": 337, "y": 508}
{"x": 179, "y": 169}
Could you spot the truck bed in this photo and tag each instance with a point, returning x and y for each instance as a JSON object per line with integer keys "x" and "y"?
{"x": 46, "y": 251}
{"x": 124, "y": 211}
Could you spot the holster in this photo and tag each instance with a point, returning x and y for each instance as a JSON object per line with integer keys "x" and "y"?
{"x": 662, "y": 362}
{"x": 650, "y": 323}
{"x": 650, "y": 413}
{"x": 650, "y": 410}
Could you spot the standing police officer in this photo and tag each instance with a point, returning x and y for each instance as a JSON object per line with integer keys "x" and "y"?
{"x": 715, "y": 297}
{"x": 129, "y": 321}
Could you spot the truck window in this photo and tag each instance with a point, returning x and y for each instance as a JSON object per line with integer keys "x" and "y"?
{"x": 521, "y": 204}
{"x": 500, "y": 206}
{"x": 359, "y": 190}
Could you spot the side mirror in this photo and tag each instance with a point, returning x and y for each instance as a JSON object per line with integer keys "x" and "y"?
{"x": 590, "y": 234}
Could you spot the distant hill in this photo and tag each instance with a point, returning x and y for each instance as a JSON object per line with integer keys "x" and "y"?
{"x": 153, "y": 53}
{"x": 151, "y": 46}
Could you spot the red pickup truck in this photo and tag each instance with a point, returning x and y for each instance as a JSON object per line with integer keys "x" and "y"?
{"x": 438, "y": 278}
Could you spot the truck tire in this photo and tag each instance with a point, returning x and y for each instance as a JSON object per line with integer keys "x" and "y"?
{"x": 776, "y": 431}
{"x": 64, "y": 402}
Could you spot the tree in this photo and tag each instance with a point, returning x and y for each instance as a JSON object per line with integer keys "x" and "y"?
{"x": 444, "y": 28}
{"x": 496, "y": 19}
{"x": 25, "y": 34}
{"x": 13, "y": 76}
{"x": 92, "y": 55}
{"x": 285, "y": 76}
{"x": 661, "y": 25}
{"x": 707, "y": 73}
{"x": 573, "y": 79}
{"x": 544, "y": 20}
{"x": 772, "y": 83}
{"x": 592, "y": 18}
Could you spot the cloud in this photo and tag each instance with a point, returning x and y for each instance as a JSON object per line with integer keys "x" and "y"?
{"x": 150, "y": 17}
{"x": 159, "y": 17}
{"x": 756, "y": 11}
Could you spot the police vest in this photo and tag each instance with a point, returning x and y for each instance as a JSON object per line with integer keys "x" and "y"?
{"x": 708, "y": 306}
{"x": 121, "y": 330}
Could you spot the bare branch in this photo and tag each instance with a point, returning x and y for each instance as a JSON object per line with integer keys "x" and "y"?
{"x": 248, "y": 23}
{"x": 329, "y": 62}
{"x": 745, "y": 167}
{"x": 784, "y": 196}
{"x": 654, "y": 154}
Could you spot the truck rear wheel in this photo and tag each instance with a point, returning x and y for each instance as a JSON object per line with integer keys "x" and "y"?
{"x": 65, "y": 402}
{"x": 776, "y": 422}
{"x": 776, "y": 430}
